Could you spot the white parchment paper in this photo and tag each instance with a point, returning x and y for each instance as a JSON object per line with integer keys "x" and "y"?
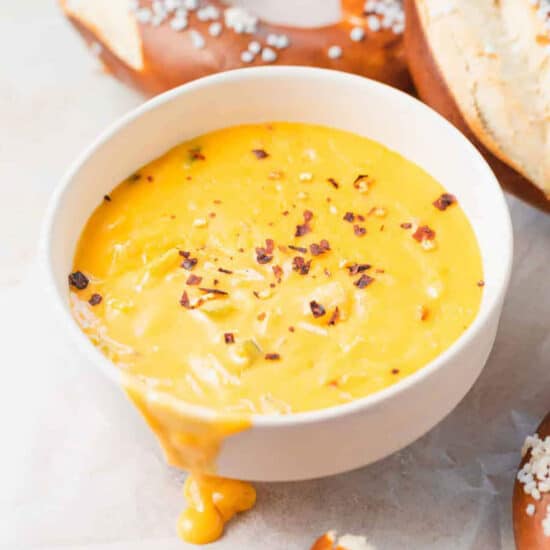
{"x": 78, "y": 468}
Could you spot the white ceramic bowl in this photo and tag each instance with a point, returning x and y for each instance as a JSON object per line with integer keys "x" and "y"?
{"x": 329, "y": 441}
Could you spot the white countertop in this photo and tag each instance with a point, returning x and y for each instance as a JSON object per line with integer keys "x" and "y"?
{"x": 80, "y": 470}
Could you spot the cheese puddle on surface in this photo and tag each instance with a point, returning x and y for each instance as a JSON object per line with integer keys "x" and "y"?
{"x": 269, "y": 269}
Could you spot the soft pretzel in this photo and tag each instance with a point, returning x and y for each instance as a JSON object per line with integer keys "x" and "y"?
{"x": 156, "y": 45}
{"x": 531, "y": 502}
{"x": 485, "y": 65}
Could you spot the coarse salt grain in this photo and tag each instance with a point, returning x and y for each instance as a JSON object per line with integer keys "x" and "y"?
{"x": 334, "y": 52}
{"x": 215, "y": 28}
{"x": 269, "y": 55}
{"x": 247, "y": 56}
{"x": 240, "y": 20}
{"x": 190, "y": 4}
{"x": 254, "y": 47}
{"x": 530, "y": 510}
{"x": 357, "y": 34}
{"x": 178, "y": 23}
{"x": 208, "y": 13}
{"x": 197, "y": 39}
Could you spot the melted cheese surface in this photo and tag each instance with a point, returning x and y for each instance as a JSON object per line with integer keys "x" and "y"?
{"x": 211, "y": 291}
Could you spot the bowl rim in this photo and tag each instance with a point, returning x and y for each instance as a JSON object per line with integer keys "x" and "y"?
{"x": 365, "y": 403}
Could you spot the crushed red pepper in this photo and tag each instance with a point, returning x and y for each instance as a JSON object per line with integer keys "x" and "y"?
{"x": 193, "y": 280}
{"x": 395, "y": 371}
{"x": 359, "y": 231}
{"x": 272, "y": 356}
{"x": 259, "y": 154}
{"x": 444, "y": 201}
{"x": 363, "y": 281}
{"x": 321, "y": 248}
{"x": 214, "y": 291}
{"x": 481, "y": 284}
{"x": 334, "y": 183}
{"x": 78, "y": 280}
{"x": 227, "y": 271}
{"x": 184, "y": 253}
{"x": 107, "y": 198}
{"x": 195, "y": 154}
{"x": 189, "y": 263}
{"x": 300, "y": 265}
{"x": 335, "y": 317}
{"x": 406, "y": 225}
{"x": 304, "y": 228}
{"x": 316, "y": 309}
{"x": 349, "y": 217}
{"x": 184, "y": 300}
{"x": 278, "y": 272}
{"x": 95, "y": 299}
{"x": 355, "y": 269}
{"x": 424, "y": 233}
{"x": 298, "y": 248}
{"x": 229, "y": 338}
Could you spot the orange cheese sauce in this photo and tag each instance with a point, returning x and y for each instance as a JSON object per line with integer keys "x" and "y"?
{"x": 270, "y": 269}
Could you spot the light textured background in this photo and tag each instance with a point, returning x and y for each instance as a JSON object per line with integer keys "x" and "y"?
{"x": 79, "y": 470}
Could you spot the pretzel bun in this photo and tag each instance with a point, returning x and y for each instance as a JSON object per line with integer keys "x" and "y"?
{"x": 485, "y": 66}
{"x": 532, "y": 515}
{"x": 158, "y": 50}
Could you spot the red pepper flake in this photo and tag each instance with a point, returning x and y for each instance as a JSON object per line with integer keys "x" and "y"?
{"x": 269, "y": 245}
{"x": 335, "y": 317}
{"x": 229, "y": 338}
{"x": 261, "y": 316}
{"x": 78, "y": 280}
{"x": 278, "y": 272}
{"x": 150, "y": 178}
{"x": 349, "y": 217}
{"x": 227, "y": 271}
{"x": 300, "y": 265}
{"x": 443, "y": 202}
{"x": 355, "y": 269}
{"x": 406, "y": 225}
{"x": 481, "y": 284}
{"x": 193, "y": 280}
{"x": 272, "y": 356}
{"x": 382, "y": 227}
{"x": 189, "y": 263}
{"x": 301, "y": 230}
{"x": 317, "y": 309}
{"x": 361, "y": 182}
{"x": 215, "y": 282}
{"x": 262, "y": 257}
{"x": 334, "y": 183}
{"x": 95, "y": 299}
{"x": 424, "y": 233}
{"x": 291, "y": 329}
{"x": 395, "y": 371}
{"x": 363, "y": 281}
{"x": 321, "y": 248}
{"x": 184, "y": 301}
{"x": 286, "y": 213}
{"x": 184, "y": 253}
{"x": 359, "y": 231}
{"x": 212, "y": 214}
{"x": 195, "y": 154}
{"x": 107, "y": 198}
{"x": 214, "y": 291}
{"x": 298, "y": 248}
{"x": 333, "y": 383}
{"x": 360, "y": 218}
{"x": 259, "y": 154}
{"x": 327, "y": 272}
{"x": 134, "y": 177}
{"x": 217, "y": 201}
